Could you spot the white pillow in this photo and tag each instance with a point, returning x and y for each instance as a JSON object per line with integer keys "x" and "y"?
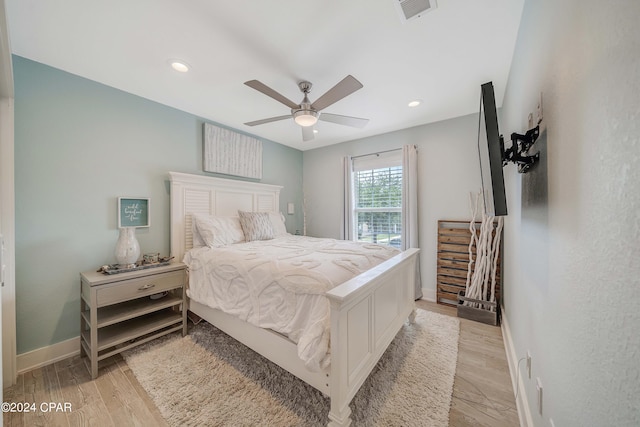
{"x": 217, "y": 231}
{"x": 197, "y": 240}
{"x": 277, "y": 222}
{"x": 256, "y": 225}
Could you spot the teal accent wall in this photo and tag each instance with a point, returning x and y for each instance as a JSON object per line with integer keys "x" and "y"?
{"x": 79, "y": 145}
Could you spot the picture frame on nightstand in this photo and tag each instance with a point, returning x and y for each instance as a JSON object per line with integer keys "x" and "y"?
{"x": 134, "y": 212}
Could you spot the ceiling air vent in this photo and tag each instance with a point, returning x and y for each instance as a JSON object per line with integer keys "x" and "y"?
{"x": 412, "y": 9}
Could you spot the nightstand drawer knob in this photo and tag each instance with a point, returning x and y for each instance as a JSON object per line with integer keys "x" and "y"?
{"x": 147, "y": 286}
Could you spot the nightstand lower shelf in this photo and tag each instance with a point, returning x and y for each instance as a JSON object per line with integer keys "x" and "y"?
{"x": 129, "y": 330}
{"x": 131, "y": 309}
{"x": 111, "y": 351}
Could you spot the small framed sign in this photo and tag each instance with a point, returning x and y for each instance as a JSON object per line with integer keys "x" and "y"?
{"x": 133, "y": 212}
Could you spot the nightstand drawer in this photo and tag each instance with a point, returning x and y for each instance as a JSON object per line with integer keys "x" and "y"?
{"x": 136, "y": 288}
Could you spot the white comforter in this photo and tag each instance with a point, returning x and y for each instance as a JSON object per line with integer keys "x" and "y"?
{"x": 280, "y": 284}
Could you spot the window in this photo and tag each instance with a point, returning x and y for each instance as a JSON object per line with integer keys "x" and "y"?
{"x": 377, "y": 213}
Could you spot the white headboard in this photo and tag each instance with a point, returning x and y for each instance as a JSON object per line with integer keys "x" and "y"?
{"x": 192, "y": 194}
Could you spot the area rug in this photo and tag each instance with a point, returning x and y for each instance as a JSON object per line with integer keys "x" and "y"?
{"x": 209, "y": 379}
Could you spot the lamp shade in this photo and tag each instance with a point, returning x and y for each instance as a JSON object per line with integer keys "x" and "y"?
{"x": 305, "y": 117}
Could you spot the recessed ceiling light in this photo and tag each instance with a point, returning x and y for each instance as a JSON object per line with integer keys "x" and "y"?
{"x": 178, "y": 65}
{"x": 415, "y": 103}
{"x": 315, "y": 131}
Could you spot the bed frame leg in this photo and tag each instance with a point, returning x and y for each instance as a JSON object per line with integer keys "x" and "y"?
{"x": 340, "y": 418}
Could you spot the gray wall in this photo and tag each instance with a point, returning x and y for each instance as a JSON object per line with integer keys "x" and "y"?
{"x": 448, "y": 171}
{"x": 78, "y": 146}
{"x": 572, "y": 239}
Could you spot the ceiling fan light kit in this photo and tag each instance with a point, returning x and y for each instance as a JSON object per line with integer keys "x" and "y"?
{"x": 305, "y": 117}
{"x": 306, "y": 114}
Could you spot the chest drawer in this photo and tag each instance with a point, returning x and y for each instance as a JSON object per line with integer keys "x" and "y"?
{"x": 137, "y": 288}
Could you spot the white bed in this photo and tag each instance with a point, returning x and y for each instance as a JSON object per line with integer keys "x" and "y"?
{"x": 366, "y": 312}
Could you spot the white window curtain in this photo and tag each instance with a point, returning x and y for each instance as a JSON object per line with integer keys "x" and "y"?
{"x": 410, "y": 206}
{"x": 346, "y": 230}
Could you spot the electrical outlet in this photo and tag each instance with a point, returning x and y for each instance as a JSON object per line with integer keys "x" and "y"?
{"x": 539, "y": 393}
{"x": 529, "y": 363}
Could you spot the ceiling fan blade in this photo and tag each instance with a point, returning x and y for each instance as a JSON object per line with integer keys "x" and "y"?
{"x": 269, "y": 120}
{"x": 307, "y": 133}
{"x": 355, "y": 122}
{"x": 261, "y": 87}
{"x": 345, "y": 87}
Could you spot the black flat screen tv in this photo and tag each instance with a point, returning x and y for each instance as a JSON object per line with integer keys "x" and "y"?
{"x": 490, "y": 150}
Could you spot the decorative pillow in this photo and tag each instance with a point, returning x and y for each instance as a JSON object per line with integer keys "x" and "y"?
{"x": 256, "y": 225}
{"x": 216, "y": 231}
{"x": 197, "y": 240}
{"x": 277, "y": 222}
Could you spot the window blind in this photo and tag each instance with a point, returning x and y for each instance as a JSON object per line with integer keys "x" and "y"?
{"x": 379, "y": 188}
{"x": 378, "y": 198}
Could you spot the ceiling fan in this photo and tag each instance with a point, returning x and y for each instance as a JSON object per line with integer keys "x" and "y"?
{"x": 306, "y": 114}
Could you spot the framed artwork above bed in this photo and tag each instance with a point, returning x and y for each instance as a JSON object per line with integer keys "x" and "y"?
{"x": 231, "y": 153}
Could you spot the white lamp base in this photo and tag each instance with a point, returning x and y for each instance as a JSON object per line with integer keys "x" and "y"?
{"x": 127, "y": 248}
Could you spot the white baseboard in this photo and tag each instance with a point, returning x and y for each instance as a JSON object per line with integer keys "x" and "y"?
{"x": 47, "y": 355}
{"x": 428, "y": 294}
{"x": 522, "y": 403}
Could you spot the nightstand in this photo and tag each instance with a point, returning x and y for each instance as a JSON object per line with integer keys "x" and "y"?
{"x": 118, "y": 311}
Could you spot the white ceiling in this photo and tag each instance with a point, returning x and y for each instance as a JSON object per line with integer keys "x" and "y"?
{"x": 440, "y": 58}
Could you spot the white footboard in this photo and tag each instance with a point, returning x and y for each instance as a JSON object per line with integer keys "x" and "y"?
{"x": 366, "y": 314}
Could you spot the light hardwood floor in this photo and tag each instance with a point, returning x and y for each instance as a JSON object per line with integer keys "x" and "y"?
{"x": 482, "y": 392}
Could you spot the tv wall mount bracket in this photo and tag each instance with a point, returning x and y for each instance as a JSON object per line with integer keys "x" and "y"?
{"x": 518, "y": 152}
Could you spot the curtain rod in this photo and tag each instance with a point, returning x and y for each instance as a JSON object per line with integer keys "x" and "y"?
{"x": 376, "y": 154}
